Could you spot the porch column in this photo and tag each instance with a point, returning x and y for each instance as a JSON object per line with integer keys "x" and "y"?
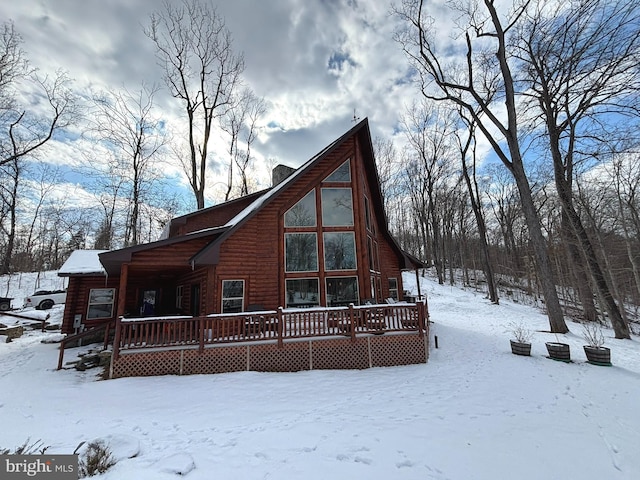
{"x": 418, "y": 283}
{"x": 122, "y": 290}
{"x": 211, "y": 295}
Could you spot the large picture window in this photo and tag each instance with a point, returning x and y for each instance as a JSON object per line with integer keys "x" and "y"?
{"x": 342, "y": 291}
{"x": 337, "y": 207}
{"x": 101, "y": 302}
{"x": 339, "y": 251}
{"x": 232, "y": 296}
{"x": 301, "y": 252}
{"x": 302, "y": 292}
{"x": 303, "y": 213}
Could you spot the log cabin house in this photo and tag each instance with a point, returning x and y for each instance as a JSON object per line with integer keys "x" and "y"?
{"x": 271, "y": 281}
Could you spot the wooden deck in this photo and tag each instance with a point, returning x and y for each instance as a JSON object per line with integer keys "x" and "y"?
{"x": 234, "y": 339}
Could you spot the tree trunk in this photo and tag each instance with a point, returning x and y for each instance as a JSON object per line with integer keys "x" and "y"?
{"x": 563, "y": 187}
{"x": 5, "y": 268}
{"x": 543, "y": 262}
{"x": 581, "y": 280}
{"x": 482, "y": 233}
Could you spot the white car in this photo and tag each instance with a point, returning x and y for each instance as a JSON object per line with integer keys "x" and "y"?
{"x": 45, "y": 299}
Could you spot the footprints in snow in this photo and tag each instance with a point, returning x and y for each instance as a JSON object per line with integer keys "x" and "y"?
{"x": 359, "y": 455}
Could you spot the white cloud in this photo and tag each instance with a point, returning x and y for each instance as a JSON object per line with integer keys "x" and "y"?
{"x": 314, "y": 63}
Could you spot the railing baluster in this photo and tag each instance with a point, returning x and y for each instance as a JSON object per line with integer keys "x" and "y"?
{"x": 277, "y": 325}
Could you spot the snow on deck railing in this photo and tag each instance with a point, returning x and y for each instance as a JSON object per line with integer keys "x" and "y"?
{"x": 268, "y": 325}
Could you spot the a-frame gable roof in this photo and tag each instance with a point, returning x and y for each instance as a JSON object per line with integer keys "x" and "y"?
{"x": 210, "y": 254}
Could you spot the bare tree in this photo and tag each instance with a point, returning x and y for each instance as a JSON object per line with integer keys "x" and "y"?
{"x": 467, "y": 147}
{"x": 394, "y": 192}
{"x": 25, "y": 128}
{"x": 581, "y": 62}
{"x": 201, "y": 69}
{"x": 625, "y": 173}
{"x": 484, "y": 76}
{"x": 388, "y": 166}
{"x": 427, "y": 128}
{"x": 125, "y": 123}
{"x": 241, "y": 124}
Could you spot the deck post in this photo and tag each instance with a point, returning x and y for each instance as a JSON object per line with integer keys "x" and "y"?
{"x": 421, "y": 319}
{"x": 352, "y": 317}
{"x": 106, "y": 336}
{"x": 116, "y": 339}
{"x": 201, "y": 334}
{"x": 418, "y": 282}
{"x": 61, "y": 354}
{"x": 122, "y": 291}
{"x": 280, "y": 328}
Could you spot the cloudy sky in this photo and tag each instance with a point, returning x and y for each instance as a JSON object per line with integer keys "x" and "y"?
{"x": 313, "y": 61}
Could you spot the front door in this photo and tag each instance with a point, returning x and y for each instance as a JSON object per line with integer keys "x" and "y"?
{"x": 195, "y": 300}
{"x": 148, "y": 303}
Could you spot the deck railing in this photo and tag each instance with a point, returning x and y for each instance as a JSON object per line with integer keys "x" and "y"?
{"x": 271, "y": 326}
{"x": 104, "y": 326}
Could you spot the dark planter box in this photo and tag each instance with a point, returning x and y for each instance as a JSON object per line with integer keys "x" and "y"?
{"x": 559, "y": 351}
{"x": 518, "y": 348}
{"x": 598, "y": 355}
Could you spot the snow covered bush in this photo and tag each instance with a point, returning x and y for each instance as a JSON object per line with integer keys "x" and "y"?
{"x": 520, "y": 332}
{"x": 95, "y": 459}
{"x": 35, "y": 448}
{"x": 592, "y": 333}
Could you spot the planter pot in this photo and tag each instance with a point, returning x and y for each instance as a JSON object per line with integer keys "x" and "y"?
{"x": 518, "y": 348}
{"x": 559, "y": 351}
{"x": 598, "y": 355}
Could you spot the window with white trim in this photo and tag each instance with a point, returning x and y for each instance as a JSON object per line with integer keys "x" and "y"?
{"x": 101, "y": 301}
{"x": 302, "y": 292}
{"x": 339, "y": 251}
{"x": 232, "y": 296}
{"x": 342, "y": 291}
{"x": 301, "y": 252}
{"x": 341, "y": 174}
{"x": 303, "y": 213}
{"x": 337, "y": 207}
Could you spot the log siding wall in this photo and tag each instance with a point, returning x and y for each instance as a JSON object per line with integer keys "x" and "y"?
{"x": 254, "y": 252}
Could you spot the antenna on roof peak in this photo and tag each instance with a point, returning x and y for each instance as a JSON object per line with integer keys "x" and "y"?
{"x": 355, "y": 118}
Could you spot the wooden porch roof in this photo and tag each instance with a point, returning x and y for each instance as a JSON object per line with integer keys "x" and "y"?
{"x": 167, "y": 255}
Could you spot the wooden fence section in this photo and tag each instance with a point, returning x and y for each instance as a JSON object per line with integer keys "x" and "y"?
{"x": 268, "y": 326}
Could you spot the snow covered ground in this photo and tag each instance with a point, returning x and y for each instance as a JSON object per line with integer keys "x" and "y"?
{"x": 475, "y": 411}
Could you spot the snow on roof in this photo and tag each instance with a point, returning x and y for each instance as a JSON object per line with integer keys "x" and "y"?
{"x": 258, "y": 202}
{"x": 82, "y": 262}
